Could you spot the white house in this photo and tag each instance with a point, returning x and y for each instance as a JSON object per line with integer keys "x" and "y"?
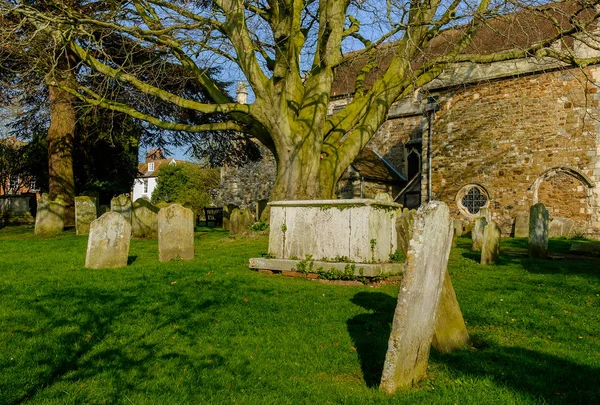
{"x": 146, "y": 182}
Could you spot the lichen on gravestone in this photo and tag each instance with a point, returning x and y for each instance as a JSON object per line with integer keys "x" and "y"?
{"x": 108, "y": 242}
{"x": 477, "y": 233}
{"x": 490, "y": 250}
{"x": 144, "y": 219}
{"x": 50, "y": 216}
{"x": 85, "y": 213}
{"x": 538, "y": 231}
{"x": 419, "y": 299}
{"x": 175, "y": 233}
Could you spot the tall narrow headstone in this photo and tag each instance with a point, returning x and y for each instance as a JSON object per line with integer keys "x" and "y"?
{"x": 144, "y": 219}
{"x": 175, "y": 233}
{"x": 490, "y": 250}
{"x": 538, "y": 231}
{"x": 108, "y": 242}
{"x": 422, "y": 283}
{"x": 85, "y": 213}
{"x": 50, "y": 216}
{"x": 477, "y": 233}
{"x": 122, "y": 205}
{"x": 522, "y": 225}
{"x": 227, "y": 210}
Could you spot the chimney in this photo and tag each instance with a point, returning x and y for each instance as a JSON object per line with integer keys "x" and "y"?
{"x": 242, "y": 93}
{"x": 154, "y": 154}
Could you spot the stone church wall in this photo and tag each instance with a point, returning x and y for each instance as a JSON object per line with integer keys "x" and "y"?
{"x": 522, "y": 140}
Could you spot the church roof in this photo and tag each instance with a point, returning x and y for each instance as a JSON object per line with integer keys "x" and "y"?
{"x": 519, "y": 30}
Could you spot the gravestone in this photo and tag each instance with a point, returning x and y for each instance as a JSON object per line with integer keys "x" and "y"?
{"x": 108, "y": 242}
{"x": 522, "y": 225}
{"x": 490, "y": 250}
{"x": 420, "y": 292}
{"x": 477, "y": 233}
{"x": 122, "y": 205}
{"x": 239, "y": 221}
{"x": 227, "y": 210}
{"x": 450, "y": 332}
{"x": 103, "y": 209}
{"x": 175, "y": 233}
{"x": 458, "y": 231}
{"x": 50, "y": 216}
{"x": 262, "y": 210}
{"x": 404, "y": 225}
{"x": 384, "y": 197}
{"x": 15, "y": 210}
{"x": 538, "y": 231}
{"x": 85, "y": 213}
{"x": 144, "y": 219}
{"x": 555, "y": 228}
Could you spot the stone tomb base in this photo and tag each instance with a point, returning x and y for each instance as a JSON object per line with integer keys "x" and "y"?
{"x": 368, "y": 270}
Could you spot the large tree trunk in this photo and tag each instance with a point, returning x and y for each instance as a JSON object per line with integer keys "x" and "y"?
{"x": 60, "y": 149}
{"x": 303, "y": 175}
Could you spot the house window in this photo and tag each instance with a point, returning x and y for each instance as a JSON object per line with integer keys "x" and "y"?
{"x": 13, "y": 184}
{"x": 151, "y": 166}
{"x": 471, "y": 199}
{"x": 32, "y": 185}
{"x": 145, "y": 186}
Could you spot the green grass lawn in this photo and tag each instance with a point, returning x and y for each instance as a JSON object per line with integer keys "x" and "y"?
{"x": 211, "y": 331}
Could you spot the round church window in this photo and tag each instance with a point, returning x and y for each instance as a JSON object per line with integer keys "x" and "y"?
{"x": 472, "y": 198}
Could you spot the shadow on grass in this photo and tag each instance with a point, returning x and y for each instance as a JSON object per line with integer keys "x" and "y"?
{"x": 370, "y": 333}
{"x": 91, "y": 338}
{"x": 131, "y": 259}
{"x": 550, "y": 378}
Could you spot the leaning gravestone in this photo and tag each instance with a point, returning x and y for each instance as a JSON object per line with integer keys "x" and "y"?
{"x": 538, "y": 231}
{"x": 108, "y": 243}
{"x": 522, "y": 225}
{"x": 420, "y": 292}
{"x": 144, "y": 219}
{"x": 50, "y": 216}
{"x": 404, "y": 226}
{"x": 85, "y": 213}
{"x": 477, "y": 233}
{"x": 175, "y": 233}
{"x": 239, "y": 220}
{"x": 122, "y": 205}
{"x": 490, "y": 250}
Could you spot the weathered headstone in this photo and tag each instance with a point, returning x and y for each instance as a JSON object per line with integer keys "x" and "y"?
{"x": 262, "y": 210}
{"x": 450, "y": 332}
{"x": 103, "y": 209}
{"x": 415, "y": 314}
{"x": 227, "y": 210}
{"x": 144, "y": 219}
{"x": 477, "y": 233}
{"x": 108, "y": 242}
{"x": 459, "y": 227}
{"x": 85, "y": 213}
{"x": 50, "y": 217}
{"x": 538, "y": 231}
{"x": 404, "y": 226}
{"x": 239, "y": 221}
{"x": 484, "y": 212}
{"x": 384, "y": 197}
{"x": 522, "y": 225}
{"x": 490, "y": 250}
{"x": 122, "y": 205}
{"x": 175, "y": 233}
{"x": 15, "y": 210}
{"x": 555, "y": 228}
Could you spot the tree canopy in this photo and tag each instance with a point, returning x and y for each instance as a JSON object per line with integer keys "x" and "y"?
{"x": 290, "y": 52}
